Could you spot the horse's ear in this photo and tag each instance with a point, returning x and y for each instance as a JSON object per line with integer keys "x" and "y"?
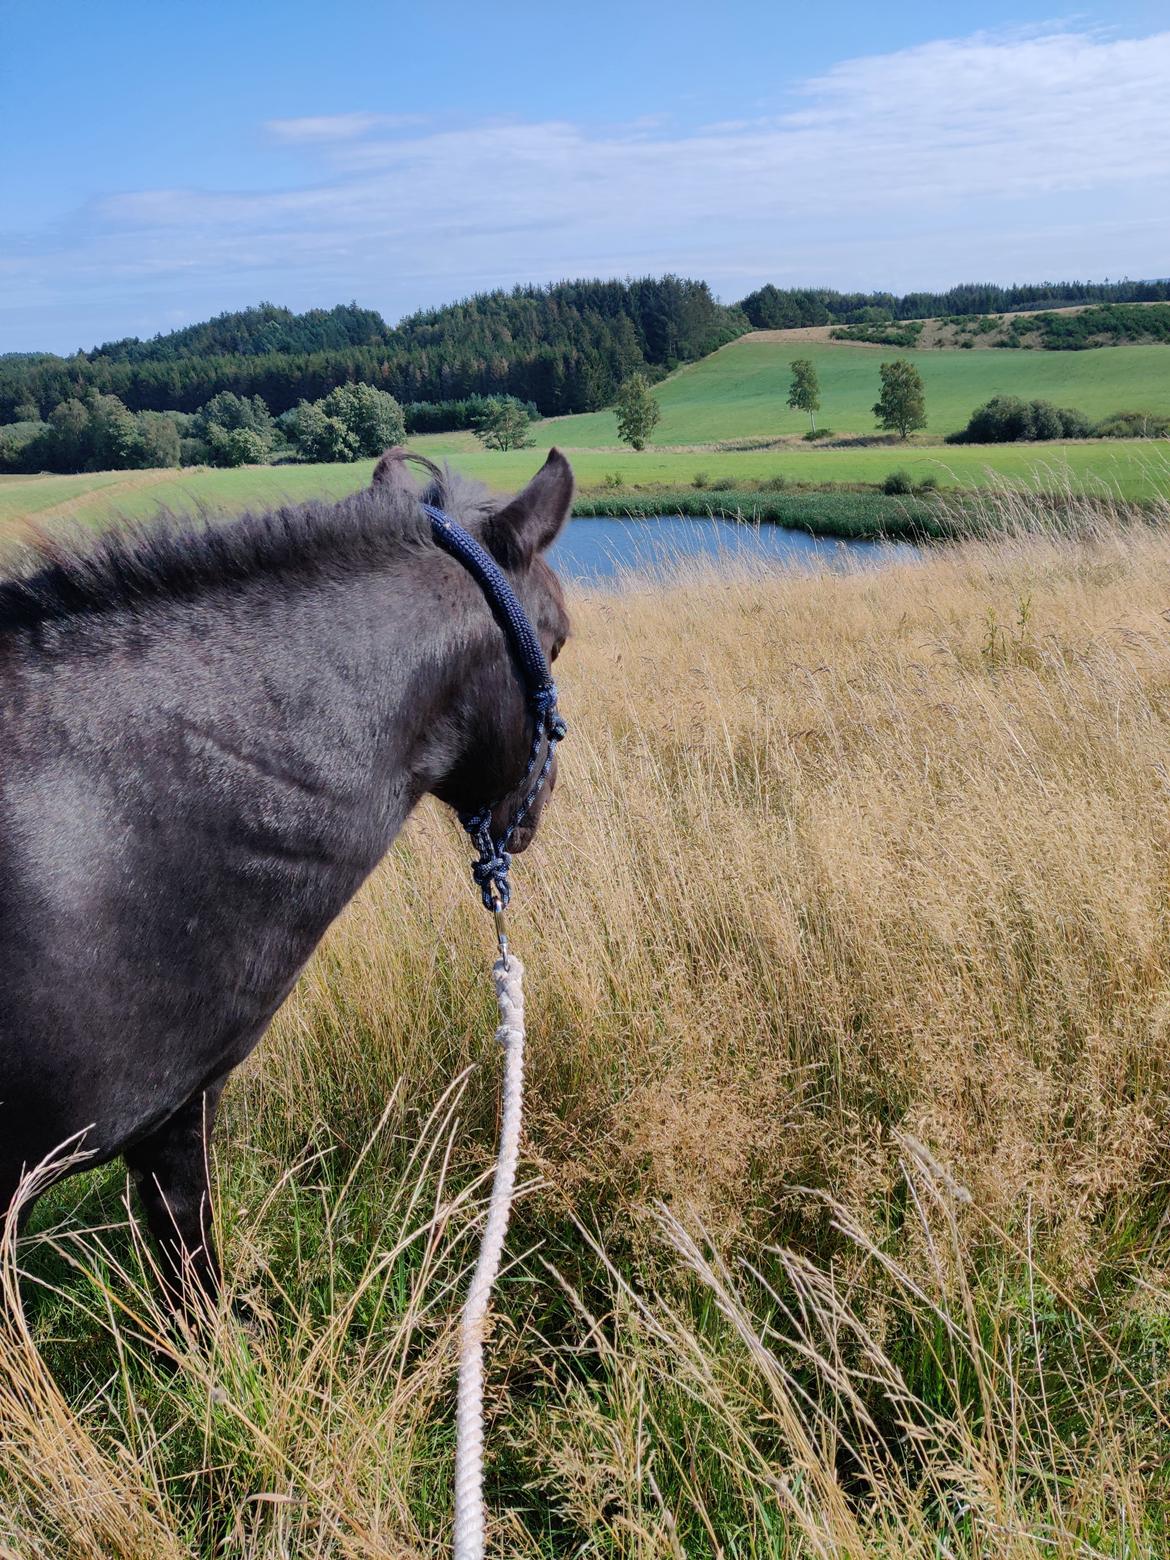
{"x": 391, "y": 472}
{"x": 531, "y": 522}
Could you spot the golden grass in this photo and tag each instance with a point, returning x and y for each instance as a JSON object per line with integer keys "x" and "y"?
{"x": 847, "y": 934}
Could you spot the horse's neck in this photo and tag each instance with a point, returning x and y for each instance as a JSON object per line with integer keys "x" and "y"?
{"x": 322, "y": 715}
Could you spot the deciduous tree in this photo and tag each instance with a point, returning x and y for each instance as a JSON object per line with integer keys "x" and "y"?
{"x": 804, "y": 394}
{"x": 372, "y": 417}
{"x": 637, "y": 412}
{"x": 318, "y": 436}
{"x": 901, "y": 407}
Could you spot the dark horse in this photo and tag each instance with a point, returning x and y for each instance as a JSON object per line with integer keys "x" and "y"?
{"x": 209, "y": 736}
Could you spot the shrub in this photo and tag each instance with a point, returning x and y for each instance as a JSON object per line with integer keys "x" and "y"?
{"x": 899, "y": 481}
{"x": 1103, "y": 324}
{"x": 241, "y": 447}
{"x": 929, "y": 483}
{"x": 1006, "y": 419}
{"x": 1074, "y": 424}
{"x": 700, "y": 479}
{"x": 1133, "y": 425}
{"x": 446, "y": 416}
{"x": 21, "y": 444}
{"x": 818, "y": 433}
{"x": 903, "y": 334}
{"x": 1045, "y": 421}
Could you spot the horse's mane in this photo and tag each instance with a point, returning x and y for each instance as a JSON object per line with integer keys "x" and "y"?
{"x": 130, "y": 564}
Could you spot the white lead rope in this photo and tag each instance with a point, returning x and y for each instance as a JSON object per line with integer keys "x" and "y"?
{"x": 508, "y": 973}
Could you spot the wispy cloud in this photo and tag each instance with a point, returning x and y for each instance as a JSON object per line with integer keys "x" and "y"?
{"x": 338, "y": 127}
{"x": 991, "y": 156}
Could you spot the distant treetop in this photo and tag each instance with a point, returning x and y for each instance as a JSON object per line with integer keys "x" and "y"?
{"x": 775, "y": 308}
{"x": 254, "y": 333}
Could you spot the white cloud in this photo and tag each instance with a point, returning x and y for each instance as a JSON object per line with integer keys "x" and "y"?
{"x": 989, "y": 156}
{"x": 337, "y": 127}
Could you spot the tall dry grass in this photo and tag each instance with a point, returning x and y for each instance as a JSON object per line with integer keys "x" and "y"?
{"x": 844, "y": 1227}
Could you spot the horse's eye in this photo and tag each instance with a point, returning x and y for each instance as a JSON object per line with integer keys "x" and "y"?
{"x": 556, "y": 649}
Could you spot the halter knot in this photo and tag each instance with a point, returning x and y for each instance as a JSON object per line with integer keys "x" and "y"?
{"x": 544, "y": 699}
{"x": 490, "y": 872}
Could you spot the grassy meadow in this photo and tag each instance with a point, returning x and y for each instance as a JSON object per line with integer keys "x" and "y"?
{"x": 741, "y": 390}
{"x": 1128, "y": 469}
{"x": 842, "y": 1230}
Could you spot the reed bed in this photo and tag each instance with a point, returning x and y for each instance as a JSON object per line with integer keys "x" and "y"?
{"x": 843, "y": 1228}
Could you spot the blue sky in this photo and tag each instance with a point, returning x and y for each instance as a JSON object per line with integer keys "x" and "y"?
{"x": 167, "y": 162}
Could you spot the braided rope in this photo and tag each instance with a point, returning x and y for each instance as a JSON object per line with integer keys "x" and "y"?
{"x": 501, "y": 598}
{"x": 508, "y": 974}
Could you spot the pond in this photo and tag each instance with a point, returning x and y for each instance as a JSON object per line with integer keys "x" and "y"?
{"x": 594, "y": 550}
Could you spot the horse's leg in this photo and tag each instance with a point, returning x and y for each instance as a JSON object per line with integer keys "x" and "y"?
{"x": 170, "y": 1168}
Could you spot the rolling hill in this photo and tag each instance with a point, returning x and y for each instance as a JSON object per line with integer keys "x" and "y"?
{"x": 739, "y": 392}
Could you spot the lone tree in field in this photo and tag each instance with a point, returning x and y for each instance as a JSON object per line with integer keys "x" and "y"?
{"x": 804, "y": 394}
{"x": 637, "y": 412}
{"x": 503, "y": 424}
{"x": 901, "y": 407}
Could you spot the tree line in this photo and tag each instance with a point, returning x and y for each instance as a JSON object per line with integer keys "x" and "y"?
{"x": 775, "y": 308}
{"x": 566, "y": 348}
{"x": 98, "y": 432}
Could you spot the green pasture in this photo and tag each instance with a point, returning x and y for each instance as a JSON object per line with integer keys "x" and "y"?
{"x": 740, "y": 391}
{"x": 1135, "y": 469}
{"x": 1131, "y": 469}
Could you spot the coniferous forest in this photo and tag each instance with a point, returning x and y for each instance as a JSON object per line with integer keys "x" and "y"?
{"x": 566, "y": 347}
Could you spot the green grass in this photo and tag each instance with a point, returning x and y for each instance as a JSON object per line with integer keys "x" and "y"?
{"x": 740, "y": 391}
{"x": 841, "y": 513}
{"x": 1134, "y": 469}
{"x": 1130, "y": 469}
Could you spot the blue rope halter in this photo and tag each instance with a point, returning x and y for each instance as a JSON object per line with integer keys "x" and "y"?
{"x": 491, "y": 867}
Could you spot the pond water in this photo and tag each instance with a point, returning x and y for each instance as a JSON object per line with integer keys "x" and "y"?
{"x": 593, "y": 549}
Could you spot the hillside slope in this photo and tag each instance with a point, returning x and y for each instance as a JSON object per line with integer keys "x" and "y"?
{"x": 740, "y": 391}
